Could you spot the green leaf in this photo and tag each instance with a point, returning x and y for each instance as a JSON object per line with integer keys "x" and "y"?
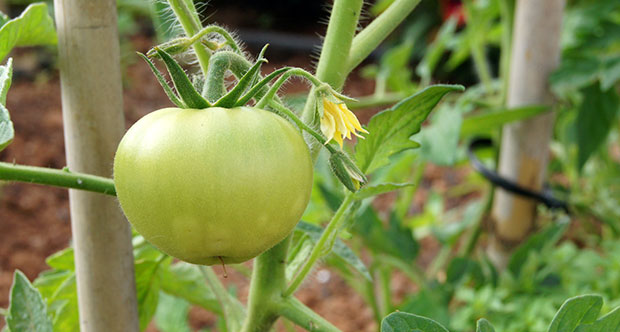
{"x": 187, "y": 282}
{"x": 396, "y": 241}
{"x": 6, "y": 125}
{"x": 536, "y": 243}
{"x": 256, "y": 88}
{"x": 27, "y": 311}
{"x": 607, "y": 323}
{"x": 49, "y": 281}
{"x": 147, "y": 290}
{"x": 440, "y": 140}
{"x": 574, "y": 73}
{"x": 64, "y": 305}
{"x": 62, "y": 260}
{"x": 406, "y": 322}
{"x": 378, "y": 189}
{"x": 33, "y": 27}
{"x": 431, "y": 302}
{"x": 463, "y": 267}
{"x": 231, "y": 98}
{"x": 340, "y": 249}
{"x": 162, "y": 81}
{"x": 171, "y": 314}
{"x": 482, "y": 123}
{"x": 390, "y": 130}
{"x": 483, "y": 325}
{"x": 595, "y": 118}
{"x": 575, "y": 311}
{"x": 182, "y": 83}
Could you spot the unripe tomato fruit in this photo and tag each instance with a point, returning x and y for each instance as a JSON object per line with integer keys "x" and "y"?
{"x": 213, "y": 185}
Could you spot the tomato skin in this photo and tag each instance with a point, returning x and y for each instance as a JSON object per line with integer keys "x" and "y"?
{"x": 211, "y": 183}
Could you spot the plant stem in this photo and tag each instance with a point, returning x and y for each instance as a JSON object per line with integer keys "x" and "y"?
{"x": 56, "y": 177}
{"x": 191, "y": 24}
{"x": 318, "y": 249}
{"x": 278, "y": 84}
{"x": 298, "y": 313}
{"x": 368, "y": 39}
{"x": 332, "y": 66}
{"x": 232, "y": 310}
{"x": 384, "y": 284}
{"x": 268, "y": 283}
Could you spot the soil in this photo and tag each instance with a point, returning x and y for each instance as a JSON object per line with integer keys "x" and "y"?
{"x": 35, "y": 220}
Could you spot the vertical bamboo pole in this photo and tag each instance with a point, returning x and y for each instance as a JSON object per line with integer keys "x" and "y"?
{"x": 93, "y": 124}
{"x": 525, "y": 145}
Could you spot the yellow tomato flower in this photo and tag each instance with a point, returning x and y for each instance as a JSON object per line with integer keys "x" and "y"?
{"x": 338, "y": 122}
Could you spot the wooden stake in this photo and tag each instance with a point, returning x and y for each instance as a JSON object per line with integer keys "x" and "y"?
{"x": 93, "y": 124}
{"x": 525, "y": 145}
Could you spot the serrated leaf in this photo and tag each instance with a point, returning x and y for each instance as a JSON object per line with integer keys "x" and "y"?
{"x": 378, "y": 189}
{"x": 187, "y": 282}
{"x": 6, "y": 125}
{"x": 33, "y": 27}
{"x": 607, "y": 323}
{"x": 595, "y": 118}
{"x": 182, "y": 83}
{"x": 339, "y": 249}
{"x": 483, "y": 325}
{"x": 406, "y": 322}
{"x": 27, "y": 312}
{"x": 390, "y": 130}
{"x": 575, "y": 311}
{"x": 171, "y": 314}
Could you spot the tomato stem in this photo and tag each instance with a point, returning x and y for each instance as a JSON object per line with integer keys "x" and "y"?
{"x": 56, "y": 177}
{"x": 319, "y": 249}
{"x": 368, "y": 39}
{"x": 298, "y": 313}
{"x": 188, "y": 17}
{"x": 268, "y": 283}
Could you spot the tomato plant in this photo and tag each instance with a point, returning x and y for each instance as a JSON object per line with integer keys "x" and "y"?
{"x": 214, "y": 185}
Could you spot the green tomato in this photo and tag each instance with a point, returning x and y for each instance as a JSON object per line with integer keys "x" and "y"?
{"x": 213, "y": 185}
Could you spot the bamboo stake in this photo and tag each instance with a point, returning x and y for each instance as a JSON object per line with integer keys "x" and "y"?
{"x": 525, "y": 145}
{"x": 93, "y": 125}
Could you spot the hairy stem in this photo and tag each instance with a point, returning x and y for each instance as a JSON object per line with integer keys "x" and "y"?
{"x": 332, "y": 66}
{"x": 56, "y": 177}
{"x": 188, "y": 17}
{"x": 368, "y": 39}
